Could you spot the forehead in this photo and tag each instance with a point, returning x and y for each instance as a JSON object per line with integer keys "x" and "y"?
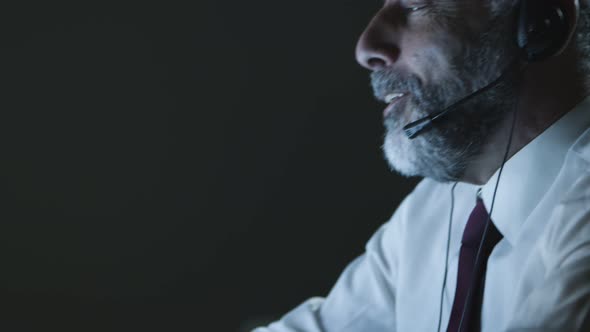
{"x": 457, "y": 5}
{"x": 457, "y": 12}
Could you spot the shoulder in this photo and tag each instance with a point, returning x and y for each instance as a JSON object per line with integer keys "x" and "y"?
{"x": 568, "y": 234}
{"x": 410, "y": 217}
{"x": 580, "y": 151}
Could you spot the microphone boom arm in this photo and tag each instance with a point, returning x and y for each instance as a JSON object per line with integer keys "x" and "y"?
{"x": 414, "y": 129}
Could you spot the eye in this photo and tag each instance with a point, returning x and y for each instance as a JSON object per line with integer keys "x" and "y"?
{"x": 413, "y": 9}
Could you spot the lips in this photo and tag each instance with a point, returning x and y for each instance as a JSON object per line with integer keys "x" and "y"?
{"x": 393, "y": 96}
{"x": 395, "y": 101}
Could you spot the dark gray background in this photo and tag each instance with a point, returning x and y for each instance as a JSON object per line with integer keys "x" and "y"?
{"x": 187, "y": 167}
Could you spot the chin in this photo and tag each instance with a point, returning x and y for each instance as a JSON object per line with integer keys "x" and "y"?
{"x": 401, "y": 154}
{"x": 430, "y": 155}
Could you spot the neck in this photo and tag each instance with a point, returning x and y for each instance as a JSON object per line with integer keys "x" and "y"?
{"x": 548, "y": 91}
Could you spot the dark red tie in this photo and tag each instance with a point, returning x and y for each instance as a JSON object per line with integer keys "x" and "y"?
{"x": 468, "y": 271}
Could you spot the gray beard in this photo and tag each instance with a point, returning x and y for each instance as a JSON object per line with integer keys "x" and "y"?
{"x": 445, "y": 151}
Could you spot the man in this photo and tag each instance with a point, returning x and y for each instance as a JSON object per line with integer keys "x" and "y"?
{"x": 497, "y": 237}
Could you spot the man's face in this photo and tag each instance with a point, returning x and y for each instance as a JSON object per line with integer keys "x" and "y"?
{"x": 424, "y": 56}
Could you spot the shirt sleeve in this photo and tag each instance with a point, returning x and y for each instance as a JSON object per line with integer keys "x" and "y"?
{"x": 363, "y": 298}
{"x": 562, "y": 300}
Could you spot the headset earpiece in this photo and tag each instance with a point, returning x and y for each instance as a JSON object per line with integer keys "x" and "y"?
{"x": 543, "y": 28}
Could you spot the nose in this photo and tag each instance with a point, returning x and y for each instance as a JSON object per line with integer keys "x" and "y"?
{"x": 377, "y": 47}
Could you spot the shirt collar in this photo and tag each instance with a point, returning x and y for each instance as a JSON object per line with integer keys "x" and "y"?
{"x": 529, "y": 173}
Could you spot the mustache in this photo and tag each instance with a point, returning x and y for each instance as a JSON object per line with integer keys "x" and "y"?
{"x": 388, "y": 80}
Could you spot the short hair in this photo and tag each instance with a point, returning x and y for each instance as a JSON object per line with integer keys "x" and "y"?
{"x": 583, "y": 44}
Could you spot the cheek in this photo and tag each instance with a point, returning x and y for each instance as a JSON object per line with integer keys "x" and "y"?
{"x": 432, "y": 56}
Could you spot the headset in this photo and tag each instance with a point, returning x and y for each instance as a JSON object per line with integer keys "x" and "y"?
{"x": 544, "y": 28}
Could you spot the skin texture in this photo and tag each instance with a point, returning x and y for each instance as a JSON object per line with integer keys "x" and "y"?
{"x": 432, "y": 45}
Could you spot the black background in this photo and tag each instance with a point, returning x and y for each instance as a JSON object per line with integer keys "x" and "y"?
{"x": 183, "y": 167}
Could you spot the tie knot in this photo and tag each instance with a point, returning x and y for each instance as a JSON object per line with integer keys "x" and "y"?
{"x": 476, "y": 225}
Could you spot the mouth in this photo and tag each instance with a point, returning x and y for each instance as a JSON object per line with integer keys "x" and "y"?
{"x": 394, "y": 101}
{"x": 393, "y": 96}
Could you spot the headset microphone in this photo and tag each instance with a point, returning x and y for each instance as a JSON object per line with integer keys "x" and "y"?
{"x": 415, "y": 128}
{"x": 543, "y": 29}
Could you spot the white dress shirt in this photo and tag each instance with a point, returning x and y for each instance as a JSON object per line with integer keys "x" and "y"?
{"x": 538, "y": 275}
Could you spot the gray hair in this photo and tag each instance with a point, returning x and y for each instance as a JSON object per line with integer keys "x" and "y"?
{"x": 445, "y": 151}
{"x": 583, "y": 43}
